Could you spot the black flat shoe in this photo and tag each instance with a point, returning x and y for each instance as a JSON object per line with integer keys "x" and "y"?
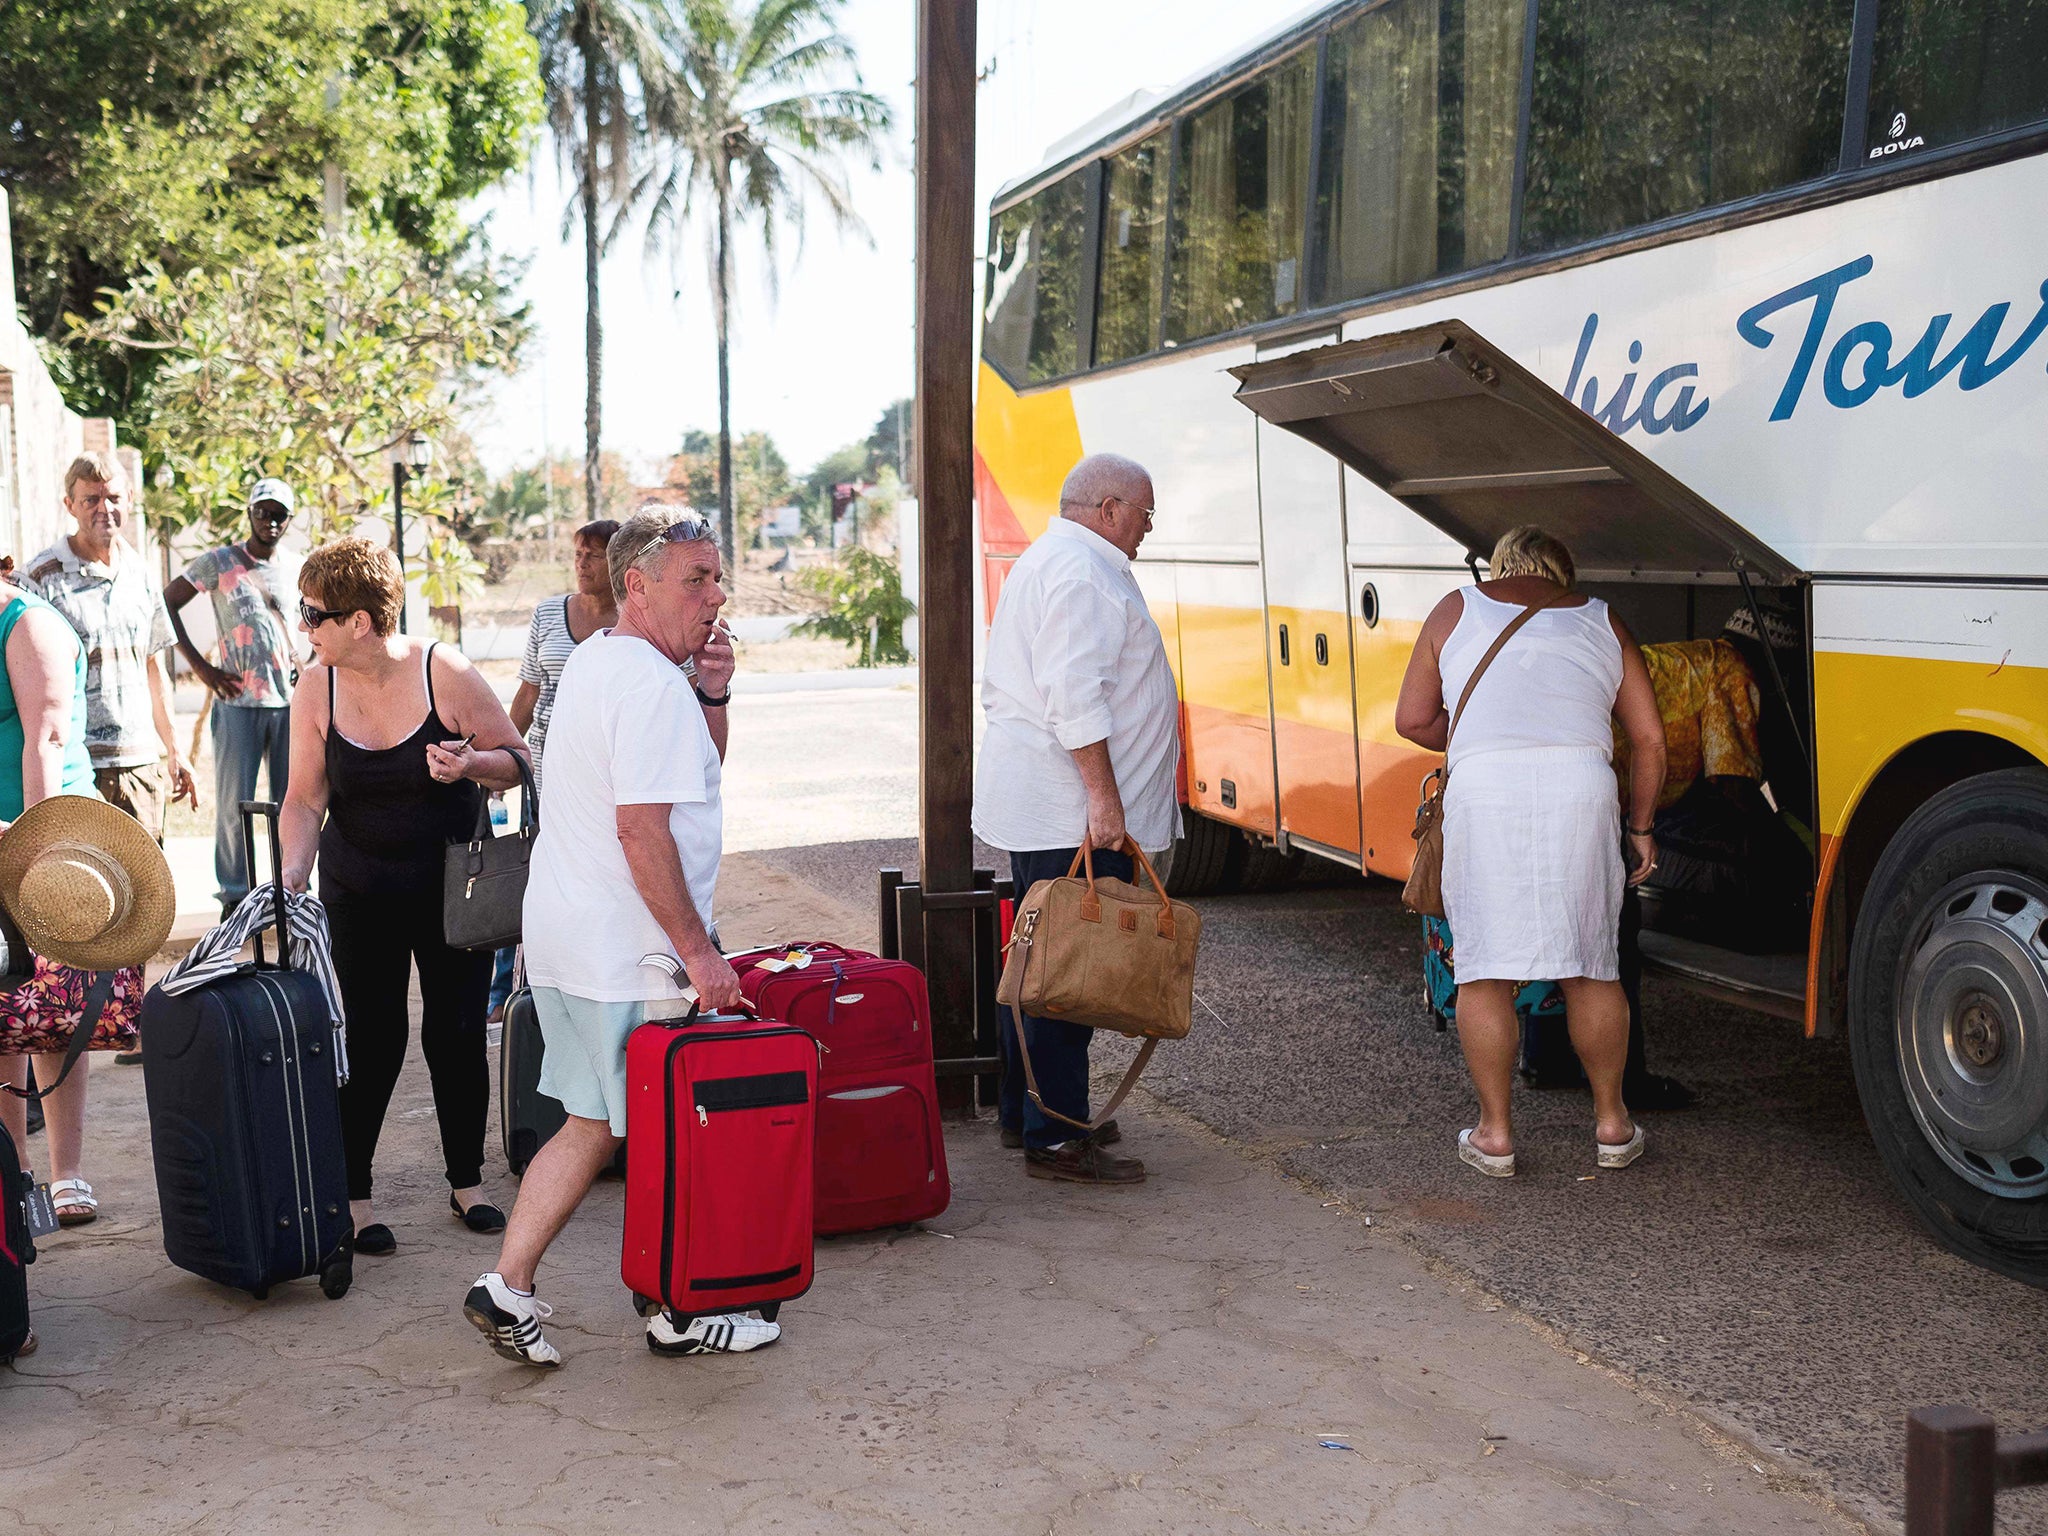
{"x": 376, "y": 1240}
{"x": 479, "y": 1217}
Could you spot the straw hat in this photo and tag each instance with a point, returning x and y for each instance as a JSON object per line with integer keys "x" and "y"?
{"x": 85, "y": 884}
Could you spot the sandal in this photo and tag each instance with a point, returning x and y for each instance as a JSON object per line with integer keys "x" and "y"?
{"x": 1620, "y": 1154}
{"x": 74, "y": 1202}
{"x": 1493, "y": 1167}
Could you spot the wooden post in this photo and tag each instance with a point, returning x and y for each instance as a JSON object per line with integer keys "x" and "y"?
{"x": 944, "y": 480}
{"x": 1951, "y": 1481}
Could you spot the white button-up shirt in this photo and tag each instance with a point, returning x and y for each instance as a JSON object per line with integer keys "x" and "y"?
{"x": 1074, "y": 658}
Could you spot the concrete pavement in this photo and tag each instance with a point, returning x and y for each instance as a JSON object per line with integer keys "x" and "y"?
{"x": 1219, "y": 1351}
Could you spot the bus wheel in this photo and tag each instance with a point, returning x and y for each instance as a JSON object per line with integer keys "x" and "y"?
{"x": 1199, "y": 855}
{"x": 1949, "y": 1017}
{"x": 1257, "y": 866}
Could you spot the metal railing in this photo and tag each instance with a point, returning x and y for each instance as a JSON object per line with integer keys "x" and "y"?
{"x": 1956, "y": 1463}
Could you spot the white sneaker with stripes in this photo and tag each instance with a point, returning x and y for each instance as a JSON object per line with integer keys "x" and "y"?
{"x": 510, "y": 1322}
{"x": 727, "y": 1333}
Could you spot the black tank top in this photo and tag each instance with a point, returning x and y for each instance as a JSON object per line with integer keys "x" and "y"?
{"x": 388, "y": 818}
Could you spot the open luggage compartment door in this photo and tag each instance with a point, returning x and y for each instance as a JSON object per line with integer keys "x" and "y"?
{"x": 1452, "y": 427}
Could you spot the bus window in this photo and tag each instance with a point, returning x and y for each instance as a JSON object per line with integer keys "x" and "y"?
{"x": 1644, "y": 109}
{"x": 1031, "y": 320}
{"x": 1240, "y": 193}
{"x": 1946, "y": 70}
{"x": 1418, "y": 142}
{"x": 1133, "y": 251}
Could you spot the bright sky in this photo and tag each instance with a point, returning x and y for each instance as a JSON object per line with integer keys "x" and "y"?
{"x": 816, "y": 365}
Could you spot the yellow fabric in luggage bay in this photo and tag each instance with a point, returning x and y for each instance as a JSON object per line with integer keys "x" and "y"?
{"x": 1708, "y": 698}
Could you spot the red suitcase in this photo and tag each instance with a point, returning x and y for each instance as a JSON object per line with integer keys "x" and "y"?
{"x": 881, "y": 1158}
{"x": 718, "y": 1163}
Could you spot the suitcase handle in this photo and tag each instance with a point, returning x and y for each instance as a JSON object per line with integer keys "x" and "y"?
{"x": 251, "y": 809}
{"x": 743, "y": 1011}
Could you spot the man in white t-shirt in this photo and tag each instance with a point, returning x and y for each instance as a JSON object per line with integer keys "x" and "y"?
{"x": 625, "y": 867}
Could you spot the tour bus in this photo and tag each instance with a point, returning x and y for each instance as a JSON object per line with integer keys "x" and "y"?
{"x": 1749, "y": 309}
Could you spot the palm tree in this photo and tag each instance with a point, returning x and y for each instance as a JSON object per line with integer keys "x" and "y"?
{"x": 608, "y": 85}
{"x": 769, "y": 103}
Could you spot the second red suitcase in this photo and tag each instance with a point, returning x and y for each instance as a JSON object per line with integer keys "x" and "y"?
{"x": 881, "y": 1154}
{"x": 718, "y": 1163}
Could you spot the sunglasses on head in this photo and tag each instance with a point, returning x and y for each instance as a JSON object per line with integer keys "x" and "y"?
{"x": 315, "y": 617}
{"x": 687, "y": 530}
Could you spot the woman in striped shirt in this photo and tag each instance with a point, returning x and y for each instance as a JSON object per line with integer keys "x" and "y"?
{"x": 560, "y": 624}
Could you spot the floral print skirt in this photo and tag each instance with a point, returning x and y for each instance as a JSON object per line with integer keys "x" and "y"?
{"x": 42, "y": 1013}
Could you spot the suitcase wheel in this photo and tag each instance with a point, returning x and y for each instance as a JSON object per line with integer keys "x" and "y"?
{"x": 645, "y": 1306}
{"x": 336, "y": 1276}
{"x": 261, "y": 1293}
{"x": 770, "y": 1310}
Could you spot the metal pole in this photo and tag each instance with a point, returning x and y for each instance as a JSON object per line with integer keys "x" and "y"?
{"x": 398, "y": 534}
{"x": 943, "y": 433}
{"x": 1951, "y": 1455}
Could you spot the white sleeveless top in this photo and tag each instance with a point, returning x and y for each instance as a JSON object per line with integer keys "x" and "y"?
{"x": 1553, "y": 685}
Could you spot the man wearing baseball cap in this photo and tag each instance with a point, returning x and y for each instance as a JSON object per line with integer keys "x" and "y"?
{"x": 252, "y": 686}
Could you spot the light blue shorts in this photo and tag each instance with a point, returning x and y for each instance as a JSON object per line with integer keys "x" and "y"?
{"x": 583, "y": 1063}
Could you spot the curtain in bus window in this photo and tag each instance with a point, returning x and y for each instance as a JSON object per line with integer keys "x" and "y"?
{"x": 1946, "y": 70}
{"x": 1418, "y": 142}
{"x": 1239, "y": 199}
{"x": 1034, "y": 283}
{"x": 1644, "y": 109}
{"x": 1133, "y": 252}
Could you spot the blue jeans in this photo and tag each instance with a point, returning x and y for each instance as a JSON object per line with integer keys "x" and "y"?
{"x": 501, "y": 976}
{"x": 1059, "y": 1050}
{"x": 244, "y": 738}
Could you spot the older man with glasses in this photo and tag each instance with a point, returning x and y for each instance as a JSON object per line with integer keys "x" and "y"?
{"x": 1082, "y": 745}
{"x": 625, "y": 868}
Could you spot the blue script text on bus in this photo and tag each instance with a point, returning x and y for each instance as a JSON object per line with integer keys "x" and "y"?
{"x": 1919, "y": 370}
{"x": 1650, "y": 413}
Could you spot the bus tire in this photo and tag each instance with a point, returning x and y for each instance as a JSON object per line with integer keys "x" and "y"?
{"x": 1257, "y": 866}
{"x": 1199, "y": 855}
{"x": 1948, "y": 1017}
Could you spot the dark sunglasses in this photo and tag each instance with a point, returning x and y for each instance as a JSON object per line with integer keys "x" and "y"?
{"x": 315, "y": 617}
{"x": 688, "y": 530}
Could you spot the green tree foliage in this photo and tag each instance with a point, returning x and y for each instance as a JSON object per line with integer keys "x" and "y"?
{"x": 864, "y": 606}
{"x": 771, "y": 103}
{"x": 176, "y": 135}
{"x": 761, "y": 476}
{"x": 309, "y": 362}
{"x": 522, "y": 501}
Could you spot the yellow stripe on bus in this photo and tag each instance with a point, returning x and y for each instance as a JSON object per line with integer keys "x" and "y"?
{"x": 1028, "y": 442}
{"x": 1867, "y": 709}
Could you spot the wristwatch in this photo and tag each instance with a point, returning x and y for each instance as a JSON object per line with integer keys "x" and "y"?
{"x": 709, "y": 702}
{"x": 1632, "y": 831}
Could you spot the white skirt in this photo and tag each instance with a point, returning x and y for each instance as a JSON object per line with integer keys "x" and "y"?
{"x": 1532, "y": 865}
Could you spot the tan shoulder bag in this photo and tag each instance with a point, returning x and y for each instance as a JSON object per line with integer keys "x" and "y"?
{"x": 1424, "y": 892}
{"x": 1106, "y": 954}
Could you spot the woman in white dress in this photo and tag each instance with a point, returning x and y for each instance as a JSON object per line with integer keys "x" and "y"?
{"x": 1534, "y": 827}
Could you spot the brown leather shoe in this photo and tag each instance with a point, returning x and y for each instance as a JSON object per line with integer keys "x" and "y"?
{"x": 1009, "y": 1138}
{"x": 1107, "y": 1134}
{"x": 1082, "y": 1161}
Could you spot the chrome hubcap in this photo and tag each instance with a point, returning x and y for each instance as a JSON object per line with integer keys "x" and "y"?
{"x": 1973, "y": 1032}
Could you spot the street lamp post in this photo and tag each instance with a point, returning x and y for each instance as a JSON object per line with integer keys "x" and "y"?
{"x": 417, "y": 454}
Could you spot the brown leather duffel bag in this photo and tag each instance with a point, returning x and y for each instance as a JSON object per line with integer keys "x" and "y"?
{"x": 1106, "y": 954}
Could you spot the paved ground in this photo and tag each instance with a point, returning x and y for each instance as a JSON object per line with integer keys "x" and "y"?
{"x": 1040, "y": 1359}
{"x": 1755, "y": 1265}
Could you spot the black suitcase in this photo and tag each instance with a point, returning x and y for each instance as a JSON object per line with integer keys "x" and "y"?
{"x": 17, "y": 1251}
{"x": 526, "y": 1116}
{"x": 245, "y": 1120}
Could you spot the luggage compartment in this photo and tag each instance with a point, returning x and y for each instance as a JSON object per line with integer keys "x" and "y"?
{"x": 1451, "y": 427}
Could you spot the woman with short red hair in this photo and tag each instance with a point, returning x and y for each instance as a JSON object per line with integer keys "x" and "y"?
{"x": 393, "y": 742}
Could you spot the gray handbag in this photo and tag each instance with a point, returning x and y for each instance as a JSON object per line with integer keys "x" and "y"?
{"x": 483, "y": 882}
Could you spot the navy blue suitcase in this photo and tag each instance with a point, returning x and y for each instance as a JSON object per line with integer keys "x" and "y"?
{"x": 17, "y": 1251}
{"x": 245, "y": 1121}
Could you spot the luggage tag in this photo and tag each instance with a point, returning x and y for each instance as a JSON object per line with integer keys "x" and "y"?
{"x": 794, "y": 960}
{"x": 40, "y": 1210}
